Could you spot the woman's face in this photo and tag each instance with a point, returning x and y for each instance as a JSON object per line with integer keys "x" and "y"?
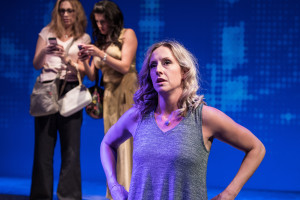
{"x": 165, "y": 71}
{"x": 67, "y": 13}
{"x": 102, "y": 23}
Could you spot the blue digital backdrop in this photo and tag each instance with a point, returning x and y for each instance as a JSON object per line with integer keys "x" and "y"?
{"x": 249, "y": 60}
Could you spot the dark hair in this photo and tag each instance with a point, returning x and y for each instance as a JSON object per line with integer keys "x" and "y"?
{"x": 114, "y": 17}
{"x": 80, "y": 22}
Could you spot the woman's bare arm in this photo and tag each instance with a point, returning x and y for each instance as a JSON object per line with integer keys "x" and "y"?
{"x": 218, "y": 125}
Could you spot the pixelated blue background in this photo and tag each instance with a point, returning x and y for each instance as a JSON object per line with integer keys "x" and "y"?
{"x": 249, "y": 60}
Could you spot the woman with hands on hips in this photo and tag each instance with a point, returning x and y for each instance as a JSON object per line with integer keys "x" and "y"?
{"x": 113, "y": 53}
{"x": 57, "y": 54}
{"x": 173, "y": 130}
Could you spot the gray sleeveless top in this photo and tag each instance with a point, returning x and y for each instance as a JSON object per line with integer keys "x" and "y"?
{"x": 170, "y": 165}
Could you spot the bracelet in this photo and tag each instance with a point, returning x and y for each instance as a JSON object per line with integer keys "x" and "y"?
{"x": 104, "y": 57}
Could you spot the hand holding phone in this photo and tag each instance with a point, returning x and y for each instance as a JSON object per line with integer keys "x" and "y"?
{"x": 82, "y": 54}
{"x": 53, "y": 43}
{"x": 80, "y": 46}
{"x": 54, "y": 47}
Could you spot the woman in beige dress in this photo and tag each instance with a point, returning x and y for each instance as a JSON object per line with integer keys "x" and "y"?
{"x": 114, "y": 54}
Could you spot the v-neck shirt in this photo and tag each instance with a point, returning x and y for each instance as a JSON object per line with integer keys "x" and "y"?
{"x": 53, "y": 64}
{"x": 171, "y": 164}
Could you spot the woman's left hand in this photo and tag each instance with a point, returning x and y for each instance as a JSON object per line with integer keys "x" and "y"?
{"x": 60, "y": 52}
{"x": 92, "y": 50}
{"x": 118, "y": 192}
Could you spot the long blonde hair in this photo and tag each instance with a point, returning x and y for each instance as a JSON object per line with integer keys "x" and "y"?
{"x": 146, "y": 97}
{"x": 79, "y": 26}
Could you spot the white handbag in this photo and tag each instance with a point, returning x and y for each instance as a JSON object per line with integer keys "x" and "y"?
{"x": 74, "y": 100}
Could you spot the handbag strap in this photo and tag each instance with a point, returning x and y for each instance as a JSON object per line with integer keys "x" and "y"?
{"x": 65, "y": 81}
{"x": 78, "y": 75}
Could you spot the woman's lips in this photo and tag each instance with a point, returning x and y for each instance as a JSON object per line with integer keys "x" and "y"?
{"x": 159, "y": 80}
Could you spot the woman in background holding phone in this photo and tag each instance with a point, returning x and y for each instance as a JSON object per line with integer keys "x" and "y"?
{"x": 114, "y": 54}
{"x": 57, "y": 52}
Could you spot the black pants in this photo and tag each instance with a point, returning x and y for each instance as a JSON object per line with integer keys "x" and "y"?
{"x": 69, "y": 185}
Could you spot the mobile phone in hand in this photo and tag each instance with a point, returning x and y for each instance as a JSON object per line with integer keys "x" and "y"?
{"x": 52, "y": 40}
{"x": 80, "y": 46}
{"x": 83, "y": 54}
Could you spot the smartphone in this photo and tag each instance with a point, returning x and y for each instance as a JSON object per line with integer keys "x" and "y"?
{"x": 80, "y": 46}
{"x": 52, "y": 40}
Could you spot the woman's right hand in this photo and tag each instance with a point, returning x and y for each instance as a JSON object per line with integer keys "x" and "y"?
{"x": 43, "y": 49}
{"x": 118, "y": 192}
{"x": 52, "y": 49}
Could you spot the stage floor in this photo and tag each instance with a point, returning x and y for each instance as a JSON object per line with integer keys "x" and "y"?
{"x": 18, "y": 189}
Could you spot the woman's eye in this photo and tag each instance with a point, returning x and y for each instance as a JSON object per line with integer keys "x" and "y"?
{"x": 152, "y": 65}
{"x": 167, "y": 62}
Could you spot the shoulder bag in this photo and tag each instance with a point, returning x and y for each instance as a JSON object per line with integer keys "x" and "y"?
{"x": 74, "y": 100}
{"x": 44, "y": 96}
{"x": 95, "y": 108}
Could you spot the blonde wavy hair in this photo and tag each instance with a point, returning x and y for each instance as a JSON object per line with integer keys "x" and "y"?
{"x": 80, "y": 24}
{"x": 146, "y": 97}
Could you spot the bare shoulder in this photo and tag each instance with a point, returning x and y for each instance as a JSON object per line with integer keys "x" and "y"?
{"x": 128, "y": 31}
{"x": 215, "y": 120}
{"x": 129, "y": 34}
{"x": 211, "y": 114}
{"x": 132, "y": 114}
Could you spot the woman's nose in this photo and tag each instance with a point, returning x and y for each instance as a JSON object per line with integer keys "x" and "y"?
{"x": 159, "y": 68}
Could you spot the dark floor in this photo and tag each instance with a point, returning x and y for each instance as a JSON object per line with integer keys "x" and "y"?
{"x": 18, "y": 189}
{"x": 13, "y": 197}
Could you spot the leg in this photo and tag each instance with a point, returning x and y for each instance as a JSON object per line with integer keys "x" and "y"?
{"x": 42, "y": 173}
{"x": 69, "y": 186}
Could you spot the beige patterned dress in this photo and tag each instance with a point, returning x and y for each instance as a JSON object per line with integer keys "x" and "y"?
{"x": 118, "y": 98}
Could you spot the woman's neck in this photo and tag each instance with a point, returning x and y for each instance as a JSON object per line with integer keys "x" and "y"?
{"x": 166, "y": 105}
{"x": 168, "y": 102}
{"x": 68, "y": 32}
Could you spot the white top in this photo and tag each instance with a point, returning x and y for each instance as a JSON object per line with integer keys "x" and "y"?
{"x": 53, "y": 64}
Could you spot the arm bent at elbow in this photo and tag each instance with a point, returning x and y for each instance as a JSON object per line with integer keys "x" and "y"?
{"x": 219, "y": 125}
{"x": 116, "y": 135}
{"x": 40, "y": 52}
{"x": 128, "y": 53}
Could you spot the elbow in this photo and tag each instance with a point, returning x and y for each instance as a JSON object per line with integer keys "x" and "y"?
{"x": 101, "y": 147}
{"x": 260, "y": 151}
{"x": 105, "y": 148}
{"x": 257, "y": 151}
{"x": 36, "y": 66}
{"x": 126, "y": 69}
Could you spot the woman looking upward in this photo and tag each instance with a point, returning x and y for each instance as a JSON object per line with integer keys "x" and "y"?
{"x": 173, "y": 130}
